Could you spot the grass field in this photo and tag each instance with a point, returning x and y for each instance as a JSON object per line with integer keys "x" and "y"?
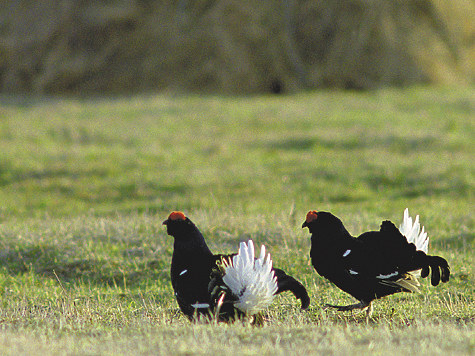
{"x": 86, "y": 184}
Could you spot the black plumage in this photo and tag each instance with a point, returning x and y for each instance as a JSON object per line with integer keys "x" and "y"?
{"x": 197, "y": 275}
{"x": 371, "y": 266}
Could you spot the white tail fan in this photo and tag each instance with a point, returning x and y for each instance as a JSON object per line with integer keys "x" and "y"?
{"x": 413, "y": 232}
{"x": 251, "y": 279}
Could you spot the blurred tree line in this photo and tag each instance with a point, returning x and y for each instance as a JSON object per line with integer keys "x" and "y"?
{"x": 232, "y": 46}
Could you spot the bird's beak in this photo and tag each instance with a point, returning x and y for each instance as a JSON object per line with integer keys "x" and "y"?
{"x": 165, "y": 222}
{"x": 304, "y": 224}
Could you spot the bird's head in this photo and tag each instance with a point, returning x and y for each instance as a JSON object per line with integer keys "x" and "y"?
{"x": 178, "y": 224}
{"x": 322, "y": 222}
{"x": 310, "y": 219}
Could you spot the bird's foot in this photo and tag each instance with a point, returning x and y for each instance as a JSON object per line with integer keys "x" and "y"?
{"x": 360, "y": 305}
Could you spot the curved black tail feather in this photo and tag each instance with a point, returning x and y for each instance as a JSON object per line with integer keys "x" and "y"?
{"x": 440, "y": 270}
{"x": 288, "y": 283}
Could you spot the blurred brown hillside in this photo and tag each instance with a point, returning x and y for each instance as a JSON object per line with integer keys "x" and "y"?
{"x": 232, "y": 46}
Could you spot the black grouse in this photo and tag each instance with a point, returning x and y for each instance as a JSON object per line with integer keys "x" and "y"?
{"x": 223, "y": 287}
{"x": 376, "y": 263}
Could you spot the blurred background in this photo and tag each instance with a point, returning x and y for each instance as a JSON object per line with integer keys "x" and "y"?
{"x": 232, "y": 46}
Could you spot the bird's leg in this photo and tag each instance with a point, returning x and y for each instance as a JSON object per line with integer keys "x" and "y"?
{"x": 360, "y": 305}
{"x": 369, "y": 312}
{"x": 219, "y": 304}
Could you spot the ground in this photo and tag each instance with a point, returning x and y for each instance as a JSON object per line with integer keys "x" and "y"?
{"x": 86, "y": 184}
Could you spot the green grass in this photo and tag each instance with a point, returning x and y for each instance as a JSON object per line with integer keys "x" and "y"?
{"x": 85, "y": 185}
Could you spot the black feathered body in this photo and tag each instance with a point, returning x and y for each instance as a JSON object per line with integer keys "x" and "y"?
{"x": 373, "y": 265}
{"x": 196, "y": 276}
{"x": 190, "y": 275}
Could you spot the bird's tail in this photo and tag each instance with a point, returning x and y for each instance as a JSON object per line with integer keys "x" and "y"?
{"x": 413, "y": 233}
{"x": 440, "y": 270}
{"x": 250, "y": 279}
{"x": 408, "y": 282}
{"x": 289, "y": 283}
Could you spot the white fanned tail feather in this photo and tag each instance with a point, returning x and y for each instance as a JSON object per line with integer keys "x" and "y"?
{"x": 415, "y": 235}
{"x": 413, "y": 232}
{"x": 251, "y": 279}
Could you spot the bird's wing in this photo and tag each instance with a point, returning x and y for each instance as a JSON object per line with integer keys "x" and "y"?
{"x": 382, "y": 256}
{"x": 189, "y": 285}
{"x": 362, "y": 261}
{"x": 368, "y": 267}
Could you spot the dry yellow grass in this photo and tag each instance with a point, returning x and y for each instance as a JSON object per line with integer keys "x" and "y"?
{"x": 233, "y": 46}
